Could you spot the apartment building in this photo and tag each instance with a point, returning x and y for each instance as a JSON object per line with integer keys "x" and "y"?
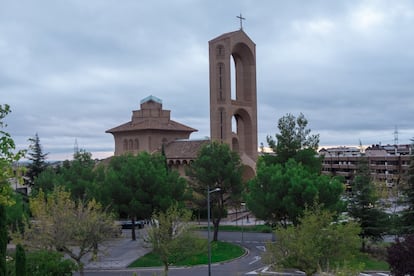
{"x": 388, "y": 163}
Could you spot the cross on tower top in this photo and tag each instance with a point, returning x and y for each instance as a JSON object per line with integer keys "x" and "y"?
{"x": 241, "y": 20}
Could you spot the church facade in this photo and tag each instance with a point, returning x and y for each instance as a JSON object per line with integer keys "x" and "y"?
{"x": 233, "y": 116}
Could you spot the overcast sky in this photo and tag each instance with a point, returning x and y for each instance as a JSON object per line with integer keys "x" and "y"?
{"x": 72, "y": 69}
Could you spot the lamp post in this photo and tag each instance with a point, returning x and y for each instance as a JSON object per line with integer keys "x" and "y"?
{"x": 208, "y": 226}
{"x": 243, "y": 209}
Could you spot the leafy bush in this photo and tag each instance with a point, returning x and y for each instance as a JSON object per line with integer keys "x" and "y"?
{"x": 316, "y": 243}
{"x": 400, "y": 256}
{"x": 48, "y": 263}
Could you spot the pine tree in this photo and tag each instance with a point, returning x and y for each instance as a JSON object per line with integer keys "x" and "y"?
{"x": 362, "y": 204}
{"x": 37, "y": 157}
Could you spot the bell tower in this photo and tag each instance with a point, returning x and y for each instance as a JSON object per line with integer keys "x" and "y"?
{"x": 233, "y": 116}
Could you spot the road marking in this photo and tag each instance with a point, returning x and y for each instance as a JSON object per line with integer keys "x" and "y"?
{"x": 261, "y": 248}
{"x": 256, "y": 259}
{"x": 261, "y": 270}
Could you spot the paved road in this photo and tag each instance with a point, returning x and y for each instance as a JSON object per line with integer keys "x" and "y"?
{"x": 123, "y": 251}
{"x": 113, "y": 265}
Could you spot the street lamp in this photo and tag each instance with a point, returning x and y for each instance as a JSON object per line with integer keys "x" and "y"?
{"x": 243, "y": 204}
{"x": 208, "y": 226}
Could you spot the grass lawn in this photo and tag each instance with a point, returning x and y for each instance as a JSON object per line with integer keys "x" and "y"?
{"x": 371, "y": 263}
{"x": 220, "y": 251}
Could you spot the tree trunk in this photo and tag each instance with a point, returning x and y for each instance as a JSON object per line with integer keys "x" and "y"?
{"x": 166, "y": 269}
{"x": 80, "y": 266}
{"x": 134, "y": 237}
{"x": 216, "y": 223}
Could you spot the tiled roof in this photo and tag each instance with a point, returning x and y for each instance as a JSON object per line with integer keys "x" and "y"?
{"x": 183, "y": 149}
{"x": 151, "y": 124}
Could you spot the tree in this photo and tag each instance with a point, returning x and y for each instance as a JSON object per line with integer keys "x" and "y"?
{"x": 362, "y": 204}
{"x": 139, "y": 185}
{"x": 293, "y": 137}
{"x": 170, "y": 235}
{"x": 316, "y": 243}
{"x": 77, "y": 176}
{"x": 408, "y": 214}
{"x": 63, "y": 225}
{"x": 7, "y": 158}
{"x": 279, "y": 193}
{"x": 217, "y": 166}
{"x": 20, "y": 261}
{"x": 400, "y": 256}
{"x": 37, "y": 158}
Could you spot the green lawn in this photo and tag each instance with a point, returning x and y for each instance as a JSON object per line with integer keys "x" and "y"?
{"x": 371, "y": 263}
{"x": 220, "y": 251}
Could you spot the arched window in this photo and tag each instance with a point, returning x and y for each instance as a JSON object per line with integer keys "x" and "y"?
{"x": 131, "y": 144}
{"x": 136, "y": 144}
{"x": 125, "y": 144}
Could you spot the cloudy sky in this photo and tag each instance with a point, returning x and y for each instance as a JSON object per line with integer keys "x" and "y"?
{"x": 72, "y": 69}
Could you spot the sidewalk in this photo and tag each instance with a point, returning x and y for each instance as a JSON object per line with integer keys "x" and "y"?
{"x": 121, "y": 252}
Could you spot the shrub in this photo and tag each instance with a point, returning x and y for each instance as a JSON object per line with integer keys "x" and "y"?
{"x": 48, "y": 263}
{"x": 400, "y": 256}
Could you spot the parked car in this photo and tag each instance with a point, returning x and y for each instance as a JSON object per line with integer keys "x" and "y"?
{"x": 127, "y": 224}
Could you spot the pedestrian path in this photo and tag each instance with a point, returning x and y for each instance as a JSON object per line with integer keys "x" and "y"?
{"x": 120, "y": 253}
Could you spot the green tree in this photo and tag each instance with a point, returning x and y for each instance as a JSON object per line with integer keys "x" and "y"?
{"x": 46, "y": 181}
{"x": 77, "y": 176}
{"x": 18, "y": 212}
{"x": 316, "y": 243}
{"x": 217, "y": 166}
{"x": 170, "y": 235}
{"x": 293, "y": 137}
{"x": 279, "y": 193}
{"x": 20, "y": 261}
{"x": 408, "y": 214}
{"x": 139, "y": 185}
{"x": 37, "y": 158}
{"x": 362, "y": 204}
{"x": 7, "y": 158}
{"x": 63, "y": 225}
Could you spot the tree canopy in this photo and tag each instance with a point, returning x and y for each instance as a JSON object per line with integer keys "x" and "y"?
{"x": 217, "y": 166}
{"x": 7, "y": 158}
{"x": 138, "y": 185}
{"x": 290, "y": 179}
{"x": 171, "y": 237}
{"x": 362, "y": 204}
{"x": 293, "y": 136}
{"x": 77, "y": 176}
{"x": 37, "y": 158}
{"x": 316, "y": 243}
{"x": 279, "y": 193}
{"x": 59, "y": 223}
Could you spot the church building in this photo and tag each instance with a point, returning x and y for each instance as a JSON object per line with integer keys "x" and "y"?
{"x": 233, "y": 116}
